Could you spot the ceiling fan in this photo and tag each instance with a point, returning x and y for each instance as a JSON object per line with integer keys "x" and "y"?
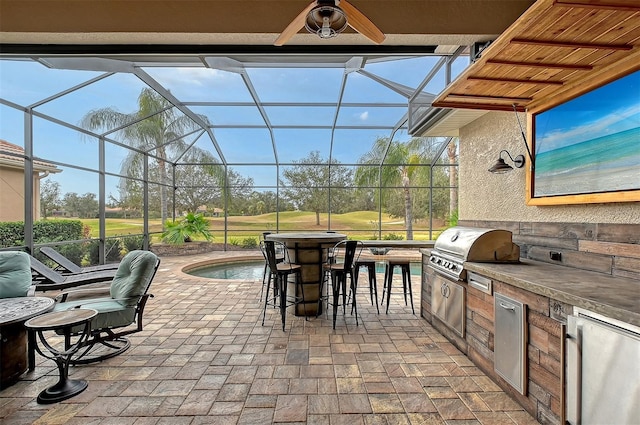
{"x": 328, "y": 18}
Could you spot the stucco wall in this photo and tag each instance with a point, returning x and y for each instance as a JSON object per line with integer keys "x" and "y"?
{"x": 487, "y": 196}
{"x": 12, "y": 194}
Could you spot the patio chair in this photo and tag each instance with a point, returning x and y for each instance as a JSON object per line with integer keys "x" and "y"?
{"x": 120, "y": 308}
{"x": 15, "y": 275}
{"x": 47, "y": 279}
{"x": 69, "y": 267}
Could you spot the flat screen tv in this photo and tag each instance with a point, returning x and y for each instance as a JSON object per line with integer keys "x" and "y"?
{"x": 588, "y": 148}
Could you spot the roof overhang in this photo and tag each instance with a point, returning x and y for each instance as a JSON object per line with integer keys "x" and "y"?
{"x": 556, "y": 50}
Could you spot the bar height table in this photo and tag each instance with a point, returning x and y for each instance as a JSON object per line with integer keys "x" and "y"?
{"x": 64, "y": 322}
{"x": 309, "y": 250}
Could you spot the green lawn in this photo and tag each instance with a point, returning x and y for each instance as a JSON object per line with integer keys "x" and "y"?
{"x": 361, "y": 223}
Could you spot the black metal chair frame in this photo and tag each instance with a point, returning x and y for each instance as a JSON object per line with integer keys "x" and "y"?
{"x": 371, "y": 275}
{"x": 349, "y": 251}
{"x": 405, "y": 267}
{"x": 66, "y": 266}
{"x": 280, "y": 272}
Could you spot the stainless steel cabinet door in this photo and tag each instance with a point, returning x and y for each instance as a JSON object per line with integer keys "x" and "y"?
{"x": 438, "y": 300}
{"x": 456, "y": 307}
{"x": 603, "y": 373}
{"x": 510, "y": 353}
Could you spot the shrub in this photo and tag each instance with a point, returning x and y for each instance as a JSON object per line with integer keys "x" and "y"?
{"x": 249, "y": 243}
{"x": 131, "y": 243}
{"x": 392, "y": 237}
{"x": 234, "y": 242}
{"x": 184, "y": 230}
{"x": 112, "y": 251}
{"x": 12, "y": 233}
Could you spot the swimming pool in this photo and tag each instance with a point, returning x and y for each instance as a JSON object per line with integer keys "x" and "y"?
{"x": 252, "y": 270}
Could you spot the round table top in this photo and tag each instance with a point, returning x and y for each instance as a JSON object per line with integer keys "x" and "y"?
{"x": 19, "y": 309}
{"x": 61, "y": 319}
{"x": 307, "y": 236}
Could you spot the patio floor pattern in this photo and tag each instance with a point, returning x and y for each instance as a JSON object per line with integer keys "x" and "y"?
{"x": 204, "y": 358}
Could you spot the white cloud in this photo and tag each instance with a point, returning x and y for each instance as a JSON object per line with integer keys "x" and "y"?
{"x": 364, "y": 116}
{"x": 616, "y": 121}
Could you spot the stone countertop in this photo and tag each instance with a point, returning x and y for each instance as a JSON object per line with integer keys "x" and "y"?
{"x": 615, "y": 297}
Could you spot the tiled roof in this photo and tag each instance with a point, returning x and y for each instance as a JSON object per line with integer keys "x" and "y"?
{"x": 13, "y": 156}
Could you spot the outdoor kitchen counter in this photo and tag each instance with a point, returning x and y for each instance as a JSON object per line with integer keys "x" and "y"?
{"x": 615, "y": 297}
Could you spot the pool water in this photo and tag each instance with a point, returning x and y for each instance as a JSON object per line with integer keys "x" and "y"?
{"x": 252, "y": 270}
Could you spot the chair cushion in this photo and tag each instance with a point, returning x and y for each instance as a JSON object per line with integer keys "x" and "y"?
{"x": 133, "y": 276}
{"x": 111, "y": 313}
{"x": 15, "y": 274}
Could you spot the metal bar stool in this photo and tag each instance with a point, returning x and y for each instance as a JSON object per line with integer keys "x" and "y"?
{"x": 405, "y": 268}
{"x": 280, "y": 272}
{"x": 342, "y": 259}
{"x": 266, "y": 275}
{"x": 373, "y": 283}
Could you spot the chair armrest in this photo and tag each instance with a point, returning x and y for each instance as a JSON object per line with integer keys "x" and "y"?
{"x": 79, "y": 293}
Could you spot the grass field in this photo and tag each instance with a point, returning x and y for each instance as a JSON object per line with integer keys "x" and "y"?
{"x": 361, "y": 223}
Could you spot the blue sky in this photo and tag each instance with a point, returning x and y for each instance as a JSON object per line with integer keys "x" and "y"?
{"x": 608, "y": 110}
{"x": 25, "y": 83}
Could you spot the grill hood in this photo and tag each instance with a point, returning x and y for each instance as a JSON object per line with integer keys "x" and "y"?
{"x": 478, "y": 245}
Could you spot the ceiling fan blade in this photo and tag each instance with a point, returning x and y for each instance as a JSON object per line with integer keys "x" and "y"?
{"x": 361, "y": 23}
{"x": 296, "y": 25}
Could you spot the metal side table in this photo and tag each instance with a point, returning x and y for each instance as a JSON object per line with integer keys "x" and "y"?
{"x": 64, "y": 322}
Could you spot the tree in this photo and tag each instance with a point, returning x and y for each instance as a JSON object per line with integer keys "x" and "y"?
{"x": 400, "y": 164}
{"x": 49, "y": 197}
{"x": 201, "y": 181}
{"x": 84, "y": 206}
{"x": 307, "y": 184}
{"x": 156, "y": 128}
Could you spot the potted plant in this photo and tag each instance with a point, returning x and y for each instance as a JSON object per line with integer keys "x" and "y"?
{"x": 185, "y": 229}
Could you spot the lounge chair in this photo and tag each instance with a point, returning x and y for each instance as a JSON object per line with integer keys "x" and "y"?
{"x": 69, "y": 267}
{"x": 47, "y": 279}
{"x": 120, "y": 308}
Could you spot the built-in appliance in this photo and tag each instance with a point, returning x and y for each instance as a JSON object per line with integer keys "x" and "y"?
{"x": 448, "y": 303}
{"x": 453, "y": 247}
{"x": 458, "y": 244}
{"x": 603, "y": 370}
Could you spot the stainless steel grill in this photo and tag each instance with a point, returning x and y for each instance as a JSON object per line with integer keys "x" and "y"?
{"x": 458, "y": 244}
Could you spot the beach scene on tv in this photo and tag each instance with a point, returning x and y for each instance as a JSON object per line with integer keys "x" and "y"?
{"x": 590, "y": 144}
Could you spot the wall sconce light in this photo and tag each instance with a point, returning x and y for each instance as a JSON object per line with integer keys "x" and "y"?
{"x": 501, "y": 167}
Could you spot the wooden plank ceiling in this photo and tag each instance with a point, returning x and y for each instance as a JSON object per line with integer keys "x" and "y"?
{"x": 556, "y": 50}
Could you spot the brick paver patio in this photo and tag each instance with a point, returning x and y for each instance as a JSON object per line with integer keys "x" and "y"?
{"x": 204, "y": 358}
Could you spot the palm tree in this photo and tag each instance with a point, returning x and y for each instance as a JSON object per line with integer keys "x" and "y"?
{"x": 155, "y": 126}
{"x": 403, "y": 159}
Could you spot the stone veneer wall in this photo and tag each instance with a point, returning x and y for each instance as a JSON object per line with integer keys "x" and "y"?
{"x": 609, "y": 248}
{"x": 545, "y": 318}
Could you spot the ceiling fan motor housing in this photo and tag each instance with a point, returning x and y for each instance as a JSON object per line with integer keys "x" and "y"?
{"x": 326, "y": 19}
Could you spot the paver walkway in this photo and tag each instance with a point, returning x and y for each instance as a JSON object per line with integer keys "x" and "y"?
{"x": 204, "y": 358}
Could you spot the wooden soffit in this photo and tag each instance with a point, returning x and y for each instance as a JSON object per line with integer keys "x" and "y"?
{"x": 555, "y": 51}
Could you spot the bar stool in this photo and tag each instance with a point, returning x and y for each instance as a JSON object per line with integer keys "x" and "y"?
{"x": 343, "y": 257}
{"x": 373, "y": 283}
{"x": 266, "y": 275}
{"x": 405, "y": 268}
{"x": 280, "y": 272}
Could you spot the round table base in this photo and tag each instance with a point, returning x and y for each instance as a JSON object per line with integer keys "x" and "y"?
{"x": 62, "y": 391}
